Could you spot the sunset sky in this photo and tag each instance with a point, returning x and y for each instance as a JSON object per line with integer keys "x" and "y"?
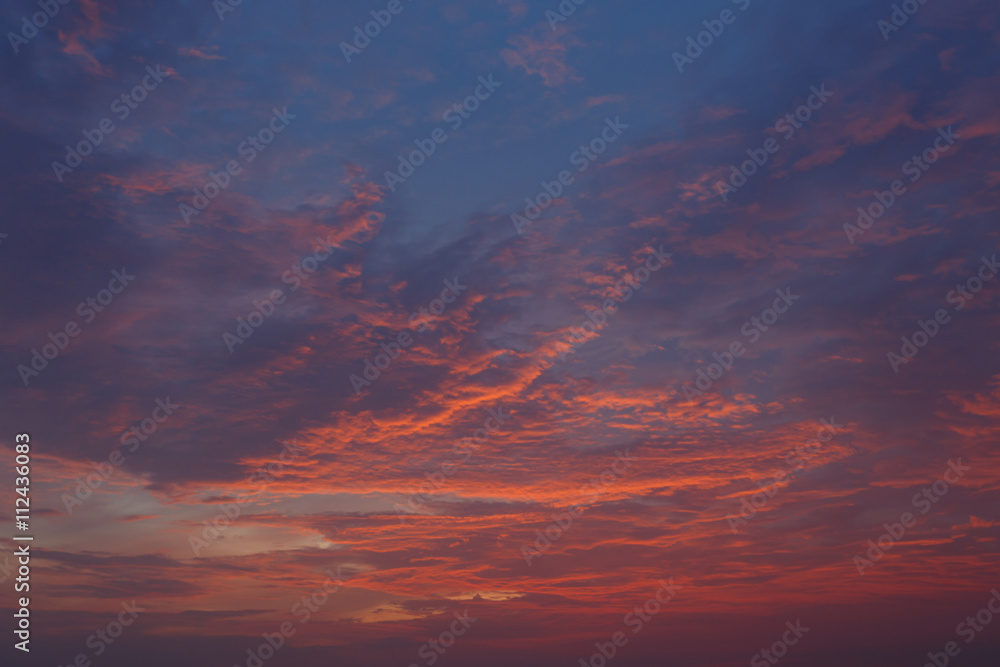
{"x": 381, "y": 312}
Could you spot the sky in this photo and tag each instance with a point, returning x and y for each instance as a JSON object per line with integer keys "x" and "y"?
{"x": 505, "y": 332}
